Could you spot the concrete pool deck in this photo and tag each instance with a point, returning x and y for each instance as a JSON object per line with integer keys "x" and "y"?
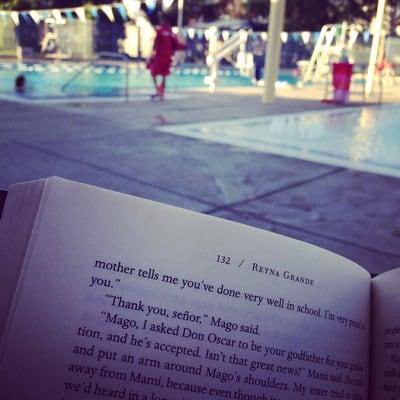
{"x": 119, "y": 146}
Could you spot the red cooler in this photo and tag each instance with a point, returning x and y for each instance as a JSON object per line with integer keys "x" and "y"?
{"x": 341, "y": 81}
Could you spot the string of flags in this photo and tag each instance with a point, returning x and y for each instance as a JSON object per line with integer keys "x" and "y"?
{"x": 125, "y": 9}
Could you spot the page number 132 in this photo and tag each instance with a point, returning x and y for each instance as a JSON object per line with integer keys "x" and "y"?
{"x": 223, "y": 259}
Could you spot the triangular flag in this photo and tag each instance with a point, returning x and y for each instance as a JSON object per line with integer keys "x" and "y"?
{"x": 284, "y": 37}
{"x": 15, "y": 17}
{"x": 207, "y": 34}
{"x": 191, "y": 33}
{"x": 353, "y": 35}
{"x": 122, "y": 12}
{"x": 57, "y": 16}
{"x": 25, "y": 16}
{"x": 366, "y": 35}
{"x": 225, "y": 35}
{"x": 200, "y": 33}
{"x": 151, "y": 5}
{"x": 69, "y": 14}
{"x": 132, "y": 7}
{"x": 109, "y": 12}
{"x": 80, "y": 12}
{"x": 166, "y": 4}
{"x": 35, "y": 16}
{"x": 295, "y": 36}
{"x": 305, "y": 37}
{"x": 94, "y": 12}
{"x": 315, "y": 35}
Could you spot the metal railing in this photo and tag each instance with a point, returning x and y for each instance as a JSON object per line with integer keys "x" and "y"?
{"x": 99, "y": 56}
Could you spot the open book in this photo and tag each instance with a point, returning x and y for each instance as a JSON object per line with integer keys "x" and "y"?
{"x": 108, "y": 296}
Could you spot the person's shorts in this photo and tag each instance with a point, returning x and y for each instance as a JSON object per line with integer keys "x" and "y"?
{"x": 160, "y": 66}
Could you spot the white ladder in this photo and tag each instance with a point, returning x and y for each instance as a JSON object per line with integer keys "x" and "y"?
{"x": 217, "y": 53}
{"x": 334, "y": 41}
{"x": 321, "y": 54}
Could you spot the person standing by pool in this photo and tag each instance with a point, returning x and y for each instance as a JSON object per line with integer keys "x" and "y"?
{"x": 165, "y": 45}
{"x": 258, "y": 50}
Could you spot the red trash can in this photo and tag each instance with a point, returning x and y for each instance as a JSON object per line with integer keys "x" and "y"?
{"x": 341, "y": 72}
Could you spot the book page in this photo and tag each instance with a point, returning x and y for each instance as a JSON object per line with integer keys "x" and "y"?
{"x": 385, "y": 343}
{"x": 130, "y": 299}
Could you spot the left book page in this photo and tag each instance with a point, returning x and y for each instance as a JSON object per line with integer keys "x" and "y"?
{"x": 22, "y": 210}
{"x": 130, "y": 299}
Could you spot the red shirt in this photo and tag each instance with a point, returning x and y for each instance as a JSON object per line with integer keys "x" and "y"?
{"x": 166, "y": 42}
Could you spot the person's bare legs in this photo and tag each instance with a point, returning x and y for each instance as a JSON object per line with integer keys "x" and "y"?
{"x": 162, "y": 87}
{"x": 155, "y": 83}
{"x": 157, "y": 94}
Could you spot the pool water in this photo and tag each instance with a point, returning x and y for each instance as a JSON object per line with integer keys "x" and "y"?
{"x": 365, "y": 139}
{"x": 45, "y": 80}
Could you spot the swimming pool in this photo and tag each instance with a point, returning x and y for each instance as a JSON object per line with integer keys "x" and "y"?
{"x": 364, "y": 138}
{"x": 45, "y": 80}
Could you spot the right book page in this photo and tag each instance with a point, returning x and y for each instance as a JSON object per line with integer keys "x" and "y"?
{"x": 385, "y": 341}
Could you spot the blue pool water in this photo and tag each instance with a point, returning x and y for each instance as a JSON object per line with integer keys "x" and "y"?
{"x": 365, "y": 139}
{"x": 45, "y": 80}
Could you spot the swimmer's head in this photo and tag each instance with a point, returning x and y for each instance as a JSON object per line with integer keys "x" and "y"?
{"x": 20, "y": 83}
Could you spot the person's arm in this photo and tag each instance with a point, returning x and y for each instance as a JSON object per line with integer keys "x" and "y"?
{"x": 179, "y": 43}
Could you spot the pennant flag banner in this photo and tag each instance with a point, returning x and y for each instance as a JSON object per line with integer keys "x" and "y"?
{"x": 166, "y": 4}
{"x": 94, "y": 12}
{"x": 225, "y": 35}
{"x": 208, "y": 33}
{"x": 122, "y": 12}
{"x": 109, "y": 12}
{"x": 353, "y": 37}
{"x": 126, "y": 9}
{"x": 80, "y": 12}
{"x": 306, "y": 36}
{"x": 132, "y": 7}
{"x": 284, "y": 37}
{"x": 58, "y": 17}
{"x": 315, "y": 36}
{"x": 35, "y": 16}
{"x": 25, "y": 16}
{"x": 151, "y": 5}
{"x": 45, "y": 14}
{"x": 264, "y": 35}
{"x": 69, "y": 14}
{"x": 200, "y": 34}
{"x": 15, "y": 17}
{"x": 295, "y": 36}
{"x": 366, "y": 36}
{"x": 191, "y": 33}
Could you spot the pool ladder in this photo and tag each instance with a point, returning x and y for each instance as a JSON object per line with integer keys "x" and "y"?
{"x": 218, "y": 51}
{"x": 102, "y": 55}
